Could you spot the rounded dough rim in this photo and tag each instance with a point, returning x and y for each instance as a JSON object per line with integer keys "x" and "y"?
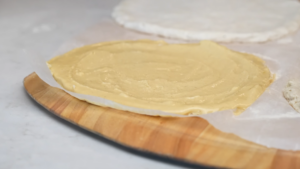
{"x": 121, "y": 17}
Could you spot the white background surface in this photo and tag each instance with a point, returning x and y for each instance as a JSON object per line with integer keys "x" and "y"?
{"x": 31, "y": 137}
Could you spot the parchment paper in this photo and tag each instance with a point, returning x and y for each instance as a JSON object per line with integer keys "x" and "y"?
{"x": 270, "y": 121}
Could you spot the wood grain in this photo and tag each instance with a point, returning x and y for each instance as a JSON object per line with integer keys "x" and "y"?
{"x": 189, "y": 139}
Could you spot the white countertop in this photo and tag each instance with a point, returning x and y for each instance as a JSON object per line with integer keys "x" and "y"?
{"x": 30, "y": 136}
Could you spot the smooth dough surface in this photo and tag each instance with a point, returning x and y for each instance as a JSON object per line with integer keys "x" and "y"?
{"x": 218, "y": 20}
{"x": 176, "y": 78}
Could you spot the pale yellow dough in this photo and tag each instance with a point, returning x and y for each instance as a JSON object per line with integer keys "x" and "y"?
{"x": 176, "y": 78}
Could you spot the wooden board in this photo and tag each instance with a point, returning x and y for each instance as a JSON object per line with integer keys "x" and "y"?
{"x": 189, "y": 139}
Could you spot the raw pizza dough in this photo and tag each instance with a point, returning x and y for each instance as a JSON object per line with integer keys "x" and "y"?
{"x": 292, "y": 94}
{"x": 175, "y": 78}
{"x": 218, "y": 20}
